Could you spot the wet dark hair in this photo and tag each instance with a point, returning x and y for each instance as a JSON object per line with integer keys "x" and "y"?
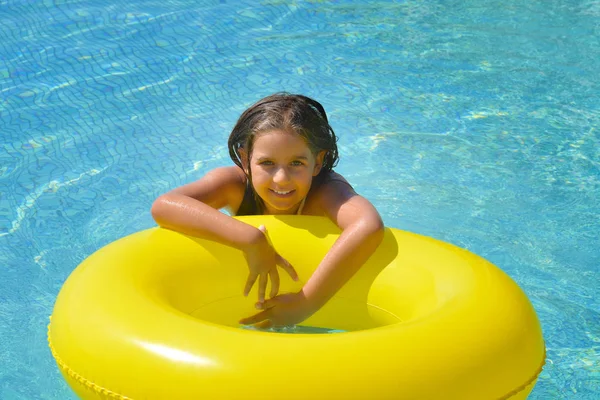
{"x": 288, "y": 112}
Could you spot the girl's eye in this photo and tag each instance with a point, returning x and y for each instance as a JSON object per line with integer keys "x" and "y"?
{"x": 297, "y": 163}
{"x": 266, "y": 162}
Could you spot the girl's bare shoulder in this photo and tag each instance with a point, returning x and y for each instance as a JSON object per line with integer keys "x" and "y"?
{"x": 220, "y": 187}
{"x": 338, "y": 200}
{"x": 330, "y": 192}
{"x": 334, "y": 183}
{"x": 231, "y": 175}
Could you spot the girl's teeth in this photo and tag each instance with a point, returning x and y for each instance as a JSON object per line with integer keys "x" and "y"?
{"x": 278, "y": 192}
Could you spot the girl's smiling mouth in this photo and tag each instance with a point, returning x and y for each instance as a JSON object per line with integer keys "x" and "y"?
{"x": 283, "y": 193}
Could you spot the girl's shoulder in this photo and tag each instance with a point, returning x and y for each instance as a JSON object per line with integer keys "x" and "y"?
{"x": 231, "y": 180}
{"x": 229, "y": 175}
{"x": 333, "y": 181}
{"x": 336, "y": 199}
{"x": 219, "y": 188}
{"x": 331, "y": 190}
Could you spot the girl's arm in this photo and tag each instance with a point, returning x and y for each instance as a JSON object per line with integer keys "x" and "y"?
{"x": 193, "y": 209}
{"x": 362, "y": 232}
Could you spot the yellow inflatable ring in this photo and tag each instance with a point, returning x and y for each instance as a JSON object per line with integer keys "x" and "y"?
{"x": 154, "y": 316}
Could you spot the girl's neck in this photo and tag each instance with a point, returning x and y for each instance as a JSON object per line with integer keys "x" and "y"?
{"x": 297, "y": 210}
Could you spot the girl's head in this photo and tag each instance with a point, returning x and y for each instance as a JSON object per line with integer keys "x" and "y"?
{"x": 287, "y": 125}
{"x": 292, "y": 113}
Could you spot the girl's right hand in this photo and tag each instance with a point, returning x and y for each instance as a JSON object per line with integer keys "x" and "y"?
{"x": 262, "y": 262}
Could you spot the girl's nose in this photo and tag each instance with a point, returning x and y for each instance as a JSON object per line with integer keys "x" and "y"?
{"x": 281, "y": 176}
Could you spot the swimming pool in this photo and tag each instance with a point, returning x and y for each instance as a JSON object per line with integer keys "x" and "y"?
{"x": 473, "y": 122}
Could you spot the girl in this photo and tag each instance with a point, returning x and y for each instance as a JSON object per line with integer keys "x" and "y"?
{"x": 284, "y": 150}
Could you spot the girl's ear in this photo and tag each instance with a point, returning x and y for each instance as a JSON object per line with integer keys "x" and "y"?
{"x": 244, "y": 159}
{"x": 319, "y": 162}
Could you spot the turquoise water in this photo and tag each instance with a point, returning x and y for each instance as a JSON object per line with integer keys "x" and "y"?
{"x": 475, "y": 122}
{"x": 295, "y": 329}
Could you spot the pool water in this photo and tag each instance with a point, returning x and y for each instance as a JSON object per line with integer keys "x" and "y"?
{"x": 475, "y": 122}
{"x": 295, "y": 329}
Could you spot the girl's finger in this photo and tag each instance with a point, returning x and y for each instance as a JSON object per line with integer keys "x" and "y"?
{"x": 261, "y": 316}
{"x": 287, "y": 267}
{"x": 262, "y": 286}
{"x": 270, "y": 303}
{"x": 266, "y": 324}
{"x": 249, "y": 283}
{"x": 274, "y": 274}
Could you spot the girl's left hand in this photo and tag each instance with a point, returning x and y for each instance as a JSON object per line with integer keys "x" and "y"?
{"x": 283, "y": 310}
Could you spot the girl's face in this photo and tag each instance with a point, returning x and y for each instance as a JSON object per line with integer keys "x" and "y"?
{"x": 282, "y": 167}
